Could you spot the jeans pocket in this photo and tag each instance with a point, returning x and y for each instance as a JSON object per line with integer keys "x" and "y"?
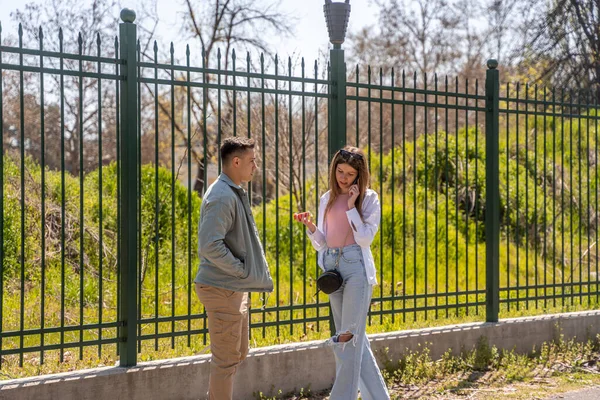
{"x": 352, "y": 256}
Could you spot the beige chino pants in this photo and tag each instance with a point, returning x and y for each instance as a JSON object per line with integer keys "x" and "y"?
{"x": 227, "y": 313}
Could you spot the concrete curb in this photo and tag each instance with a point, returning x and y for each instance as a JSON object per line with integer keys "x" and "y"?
{"x": 288, "y": 368}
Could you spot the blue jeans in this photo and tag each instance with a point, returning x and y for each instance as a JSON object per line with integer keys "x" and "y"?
{"x": 355, "y": 365}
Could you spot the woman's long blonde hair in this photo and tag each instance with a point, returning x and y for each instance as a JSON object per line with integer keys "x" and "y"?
{"x": 357, "y": 159}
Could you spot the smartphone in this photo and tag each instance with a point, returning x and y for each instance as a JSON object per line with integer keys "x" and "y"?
{"x": 355, "y": 183}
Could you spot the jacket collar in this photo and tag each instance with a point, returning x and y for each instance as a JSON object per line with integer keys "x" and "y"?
{"x": 223, "y": 177}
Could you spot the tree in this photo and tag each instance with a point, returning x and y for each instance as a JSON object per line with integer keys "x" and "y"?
{"x": 88, "y": 30}
{"x": 426, "y": 42}
{"x": 244, "y": 23}
{"x": 564, "y": 43}
{"x": 473, "y": 38}
{"x": 500, "y": 16}
{"x": 418, "y": 36}
{"x": 226, "y": 23}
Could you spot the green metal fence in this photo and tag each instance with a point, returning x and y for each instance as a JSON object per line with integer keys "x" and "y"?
{"x": 46, "y": 276}
{"x": 549, "y": 197}
{"x": 430, "y": 252}
{"x": 488, "y": 194}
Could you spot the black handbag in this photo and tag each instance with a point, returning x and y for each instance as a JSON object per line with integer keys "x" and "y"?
{"x": 329, "y": 281}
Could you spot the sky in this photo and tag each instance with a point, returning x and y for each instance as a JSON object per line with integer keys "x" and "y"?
{"x": 309, "y": 37}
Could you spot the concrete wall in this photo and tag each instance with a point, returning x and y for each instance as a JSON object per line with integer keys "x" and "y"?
{"x": 290, "y": 367}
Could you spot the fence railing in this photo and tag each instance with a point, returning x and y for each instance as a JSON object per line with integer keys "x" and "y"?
{"x": 105, "y": 160}
{"x": 549, "y": 191}
{"x": 48, "y": 274}
{"x": 424, "y": 274}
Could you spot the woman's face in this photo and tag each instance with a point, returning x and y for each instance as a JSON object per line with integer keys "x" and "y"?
{"x": 345, "y": 176}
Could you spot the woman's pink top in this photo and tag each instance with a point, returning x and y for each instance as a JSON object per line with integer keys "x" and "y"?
{"x": 338, "y": 227}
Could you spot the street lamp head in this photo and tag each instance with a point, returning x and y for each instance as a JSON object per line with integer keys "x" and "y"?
{"x": 337, "y": 16}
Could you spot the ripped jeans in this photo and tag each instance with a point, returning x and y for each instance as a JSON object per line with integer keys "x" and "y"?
{"x": 355, "y": 365}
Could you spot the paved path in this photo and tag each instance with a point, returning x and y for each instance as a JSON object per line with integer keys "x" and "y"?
{"x": 585, "y": 394}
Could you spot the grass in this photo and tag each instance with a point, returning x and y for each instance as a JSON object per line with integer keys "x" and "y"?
{"x": 486, "y": 373}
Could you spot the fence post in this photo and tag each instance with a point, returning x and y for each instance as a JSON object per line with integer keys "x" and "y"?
{"x": 337, "y": 100}
{"x": 492, "y": 192}
{"x": 128, "y": 202}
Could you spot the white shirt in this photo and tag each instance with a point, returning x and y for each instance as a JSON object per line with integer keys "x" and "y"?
{"x": 364, "y": 230}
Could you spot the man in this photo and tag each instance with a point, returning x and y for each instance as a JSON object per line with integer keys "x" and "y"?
{"x": 232, "y": 263}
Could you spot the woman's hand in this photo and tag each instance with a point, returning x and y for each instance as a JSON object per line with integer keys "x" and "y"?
{"x": 353, "y": 193}
{"x": 305, "y": 218}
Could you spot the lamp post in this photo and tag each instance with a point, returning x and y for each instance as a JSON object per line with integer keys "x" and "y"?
{"x": 337, "y": 16}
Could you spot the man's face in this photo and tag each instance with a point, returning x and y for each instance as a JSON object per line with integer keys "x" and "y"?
{"x": 246, "y": 165}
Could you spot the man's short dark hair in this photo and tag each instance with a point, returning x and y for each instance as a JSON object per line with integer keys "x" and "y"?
{"x": 232, "y": 146}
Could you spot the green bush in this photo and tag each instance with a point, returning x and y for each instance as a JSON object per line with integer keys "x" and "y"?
{"x": 99, "y": 246}
{"x": 433, "y": 215}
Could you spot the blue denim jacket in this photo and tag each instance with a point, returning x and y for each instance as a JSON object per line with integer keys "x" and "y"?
{"x": 231, "y": 255}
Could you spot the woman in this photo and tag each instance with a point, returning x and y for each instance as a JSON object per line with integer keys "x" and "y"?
{"x": 348, "y": 221}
